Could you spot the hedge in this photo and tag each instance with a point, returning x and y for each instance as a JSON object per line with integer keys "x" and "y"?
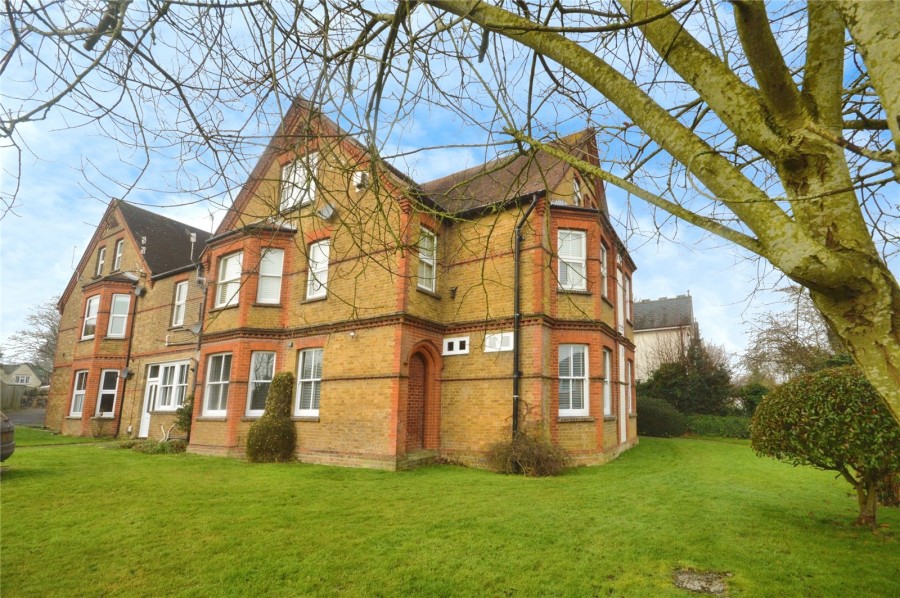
{"x": 723, "y": 426}
{"x": 657, "y": 417}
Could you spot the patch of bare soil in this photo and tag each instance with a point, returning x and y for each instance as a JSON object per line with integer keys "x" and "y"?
{"x": 702, "y": 582}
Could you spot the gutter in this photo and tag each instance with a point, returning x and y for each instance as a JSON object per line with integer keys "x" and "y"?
{"x": 517, "y": 317}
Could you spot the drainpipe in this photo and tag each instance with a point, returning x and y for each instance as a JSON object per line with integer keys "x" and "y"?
{"x": 517, "y": 317}
{"x": 128, "y": 355}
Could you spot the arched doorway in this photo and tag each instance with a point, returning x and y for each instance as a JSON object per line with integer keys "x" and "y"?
{"x": 417, "y": 400}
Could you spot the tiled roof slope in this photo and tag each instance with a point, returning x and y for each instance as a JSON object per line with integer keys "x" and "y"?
{"x": 664, "y": 313}
{"x": 507, "y": 178}
{"x": 168, "y": 241}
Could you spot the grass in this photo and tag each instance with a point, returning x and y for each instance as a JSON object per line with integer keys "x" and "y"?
{"x": 93, "y": 520}
{"x": 26, "y": 436}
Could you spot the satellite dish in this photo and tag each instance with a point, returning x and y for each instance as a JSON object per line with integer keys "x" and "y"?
{"x": 195, "y": 329}
{"x": 325, "y": 212}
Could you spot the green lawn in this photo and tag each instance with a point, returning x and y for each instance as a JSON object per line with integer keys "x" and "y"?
{"x": 90, "y": 520}
{"x": 26, "y": 436}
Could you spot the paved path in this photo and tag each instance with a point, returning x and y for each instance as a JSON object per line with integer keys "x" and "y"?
{"x": 27, "y": 417}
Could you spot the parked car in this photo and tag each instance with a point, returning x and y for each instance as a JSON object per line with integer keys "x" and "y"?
{"x": 8, "y": 434}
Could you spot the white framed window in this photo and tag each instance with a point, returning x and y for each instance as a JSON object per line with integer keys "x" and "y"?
{"x": 572, "y": 260}
{"x": 577, "y": 198}
{"x": 427, "y": 260}
{"x": 271, "y": 264}
{"x": 629, "y": 397}
{"x": 229, "y": 283}
{"x": 169, "y": 382}
{"x": 607, "y": 382}
{"x": 117, "y": 259}
{"x": 458, "y": 345}
{"x": 498, "y": 341}
{"x": 628, "y": 298}
{"x": 309, "y": 382}
{"x": 262, "y": 369}
{"x": 317, "y": 279}
{"x": 604, "y": 270}
{"x": 573, "y": 380}
{"x": 78, "y": 392}
{"x": 22, "y": 379}
{"x": 179, "y": 307}
{"x": 90, "y": 317}
{"x": 298, "y": 181}
{"x": 101, "y": 261}
{"x": 118, "y": 316}
{"x": 218, "y": 373}
{"x": 109, "y": 386}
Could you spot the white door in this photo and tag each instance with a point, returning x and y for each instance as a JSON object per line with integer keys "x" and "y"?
{"x": 149, "y": 401}
{"x": 623, "y": 400}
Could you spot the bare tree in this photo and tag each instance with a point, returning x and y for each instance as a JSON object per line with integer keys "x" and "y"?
{"x": 36, "y": 343}
{"x": 734, "y": 117}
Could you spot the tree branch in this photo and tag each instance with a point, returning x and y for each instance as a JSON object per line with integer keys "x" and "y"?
{"x": 824, "y": 72}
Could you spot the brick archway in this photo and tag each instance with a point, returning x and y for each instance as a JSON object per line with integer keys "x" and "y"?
{"x": 423, "y": 406}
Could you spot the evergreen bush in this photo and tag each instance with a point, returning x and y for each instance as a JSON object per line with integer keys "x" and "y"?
{"x": 722, "y": 426}
{"x": 273, "y": 438}
{"x": 657, "y": 417}
{"x": 184, "y": 416}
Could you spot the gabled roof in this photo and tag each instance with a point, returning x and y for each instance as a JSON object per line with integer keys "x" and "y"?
{"x": 666, "y": 312}
{"x": 168, "y": 241}
{"x": 507, "y": 178}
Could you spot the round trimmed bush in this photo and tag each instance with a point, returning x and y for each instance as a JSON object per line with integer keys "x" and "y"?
{"x": 657, "y": 417}
{"x": 833, "y": 420}
{"x": 273, "y": 438}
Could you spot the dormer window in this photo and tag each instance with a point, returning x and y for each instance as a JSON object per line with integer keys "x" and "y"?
{"x": 298, "y": 182}
{"x": 117, "y": 260}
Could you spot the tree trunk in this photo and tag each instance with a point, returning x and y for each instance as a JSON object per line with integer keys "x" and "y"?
{"x": 867, "y": 496}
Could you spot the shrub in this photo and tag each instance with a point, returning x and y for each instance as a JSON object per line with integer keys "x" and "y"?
{"x": 528, "y": 453}
{"x": 832, "y": 420}
{"x": 723, "y": 426}
{"x": 657, "y": 417}
{"x": 155, "y": 447}
{"x": 184, "y": 416}
{"x": 751, "y": 395}
{"x": 272, "y": 438}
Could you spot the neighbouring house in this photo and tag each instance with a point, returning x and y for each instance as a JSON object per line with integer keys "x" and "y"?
{"x": 17, "y": 379}
{"x": 420, "y": 320}
{"x": 663, "y": 329}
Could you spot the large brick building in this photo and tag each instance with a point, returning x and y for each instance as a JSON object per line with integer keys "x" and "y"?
{"x": 393, "y": 303}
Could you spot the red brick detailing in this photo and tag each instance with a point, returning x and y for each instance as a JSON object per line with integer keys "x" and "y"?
{"x": 415, "y": 404}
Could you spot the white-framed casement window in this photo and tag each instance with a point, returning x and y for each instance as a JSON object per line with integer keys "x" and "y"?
{"x": 498, "y": 341}
{"x": 90, "y": 317}
{"x": 271, "y": 264}
{"x": 629, "y": 396}
{"x": 180, "y": 304}
{"x": 427, "y": 260}
{"x": 118, "y": 316}
{"x": 218, "y": 373}
{"x": 572, "y": 252}
{"x": 577, "y": 198}
{"x": 109, "y": 387}
{"x": 117, "y": 259}
{"x": 458, "y": 345}
{"x": 604, "y": 270}
{"x": 298, "y": 181}
{"x": 262, "y": 369}
{"x": 22, "y": 379}
{"x": 170, "y": 382}
{"x": 573, "y": 380}
{"x": 607, "y": 382}
{"x": 78, "y": 392}
{"x": 317, "y": 279}
{"x": 309, "y": 383}
{"x": 101, "y": 261}
{"x": 228, "y": 286}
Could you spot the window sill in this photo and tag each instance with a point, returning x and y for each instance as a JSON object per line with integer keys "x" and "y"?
{"x": 428, "y": 292}
{"x": 632, "y": 415}
{"x": 305, "y": 418}
{"x": 278, "y": 305}
{"x": 105, "y": 418}
{"x": 224, "y": 308}
{"x": 250, "y": 418}
{"x": 178, "y": 328}
{"x": 76, "y": 417}
{"x": 212, "y": 418}
{"x": 609, "y": 418}
{"x": 573, "y": 292}
{"x": 115, "y": 338}
{"x": 85, "y": 338}
{"x": 570, "y": 419}
{"x": 163, "y": 411}
{"x": 314, "y": 300}
{"x": 607, "y": 300}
